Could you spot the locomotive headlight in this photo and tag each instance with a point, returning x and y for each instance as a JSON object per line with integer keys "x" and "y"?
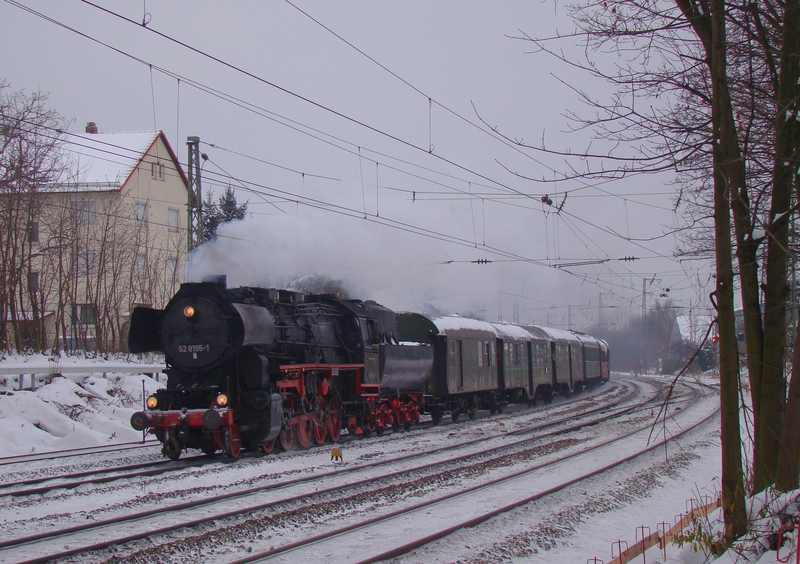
{"x": 188, "y": 311}
{"x": 222, "y": 400}
{"x": 152, "y": 402}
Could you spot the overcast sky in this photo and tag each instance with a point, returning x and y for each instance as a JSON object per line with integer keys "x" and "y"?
{"x": 371, "y": 175}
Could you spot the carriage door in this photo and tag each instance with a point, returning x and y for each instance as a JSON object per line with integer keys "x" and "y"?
{"x": 501, "y": 365}
{"x": 531, "y": 386}
{"x": 455, "y": 368}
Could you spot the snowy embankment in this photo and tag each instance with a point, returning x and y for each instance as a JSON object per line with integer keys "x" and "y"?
{"x": 77, "y": 409}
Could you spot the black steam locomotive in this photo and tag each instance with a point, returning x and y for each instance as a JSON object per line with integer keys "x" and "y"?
{"x": 251, "y": 367}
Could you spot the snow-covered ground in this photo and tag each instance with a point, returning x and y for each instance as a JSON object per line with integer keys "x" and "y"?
{"x": 75, "y": 410}
{"x": 576, "y": 525}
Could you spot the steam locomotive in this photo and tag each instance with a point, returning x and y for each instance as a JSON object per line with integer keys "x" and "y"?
{"x": 249, "y": 368}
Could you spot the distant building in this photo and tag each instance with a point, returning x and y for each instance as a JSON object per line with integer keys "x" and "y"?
{"x": 109, "y": 235}
{"x": 690, "y": 329}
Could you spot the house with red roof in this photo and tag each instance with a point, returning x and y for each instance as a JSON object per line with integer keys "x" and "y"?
{"x": 109, "y": 234}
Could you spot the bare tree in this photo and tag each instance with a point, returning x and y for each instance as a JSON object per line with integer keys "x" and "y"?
{"x": 30, "y": 157}
{"x": 709, "y": 89}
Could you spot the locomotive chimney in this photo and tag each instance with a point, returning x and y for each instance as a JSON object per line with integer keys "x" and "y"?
{"x": 91, "y": 127}
{"x": 218, "y": 279}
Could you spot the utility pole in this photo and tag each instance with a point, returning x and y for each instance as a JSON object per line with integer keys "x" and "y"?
{"x": 569, "y": 317}
{"x": 644, "y": 297}
{"x": 195, "y": 205}
{"x": 601, "y": 312}
{"x": 499, "y": 307}
{"x": 602, "y": 309}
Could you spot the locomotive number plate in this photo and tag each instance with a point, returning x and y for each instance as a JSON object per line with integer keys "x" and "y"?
{"x": 194, "y": 348}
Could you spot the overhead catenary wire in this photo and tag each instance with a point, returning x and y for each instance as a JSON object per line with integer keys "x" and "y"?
{"x": 333, "y": 111}
{"x": 483, "y": 200}
{"x": 408, "y": 227}
{"x": 178, "y": 78}
{"x": 296, "y": 95}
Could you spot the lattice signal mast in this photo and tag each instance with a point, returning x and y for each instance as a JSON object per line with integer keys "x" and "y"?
{"x": 195, "y": 194}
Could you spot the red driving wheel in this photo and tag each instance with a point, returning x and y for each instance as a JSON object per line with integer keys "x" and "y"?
{"x": 334, "y": 419}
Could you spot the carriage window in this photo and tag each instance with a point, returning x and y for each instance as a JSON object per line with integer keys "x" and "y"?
{"x": 480, "y": 353}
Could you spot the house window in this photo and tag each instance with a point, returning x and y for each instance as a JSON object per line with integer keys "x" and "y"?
{"x": 140, "y": 264}
{"x": 172, "y": 268}
{"x": 33, "y": 232}
{"x": 173, "y": 219}
{"x": 83, "y": 211}
{"x": 33, "y": 282}
{"x": 140, "y": 212}
{"x": 83, "y": 314}
{"x": 83, "y": 263}
{"x": 480, "y": 353}
{"x": 157, "y": 171}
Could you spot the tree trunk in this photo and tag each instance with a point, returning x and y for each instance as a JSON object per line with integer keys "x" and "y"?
{"x": 787, "y": 476}
{"x": 726, "y": 183}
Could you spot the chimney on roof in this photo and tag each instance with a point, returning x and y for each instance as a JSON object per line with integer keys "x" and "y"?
{"x": 91, "y": 127}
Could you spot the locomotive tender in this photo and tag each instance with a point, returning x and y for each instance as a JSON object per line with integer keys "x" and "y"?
{"x": 251, "y": 367}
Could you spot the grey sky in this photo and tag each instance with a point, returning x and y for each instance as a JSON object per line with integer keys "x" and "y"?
{"x": 456, "y": 53}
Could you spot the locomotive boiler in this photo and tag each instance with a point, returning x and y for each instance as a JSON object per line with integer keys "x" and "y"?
{"x": 248, "y": 367}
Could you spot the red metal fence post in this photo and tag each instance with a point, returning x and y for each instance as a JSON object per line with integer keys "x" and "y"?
{"x": 783, "y": 529}
{"x": 663, "y": 527}
{"x": 644, "y": 536}
{"x": 618, "y": 544}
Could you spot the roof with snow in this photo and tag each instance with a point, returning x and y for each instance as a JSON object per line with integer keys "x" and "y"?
{"x": 692, "y": 328}
{"x": 102, "y": 162}
{"x": 447, "y": 323}
{"x": 556, "y": 334}
{"x": 510, "y": 331}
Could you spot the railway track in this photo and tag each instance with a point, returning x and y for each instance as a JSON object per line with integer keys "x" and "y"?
{"x": 48, "y": 480}
{"x": 238, "y": 504}
{"x": 74, "y": 452}
{"x": 397, "y": 533}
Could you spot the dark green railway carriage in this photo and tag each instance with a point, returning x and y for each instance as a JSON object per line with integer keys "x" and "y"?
{"x": 465, "y": 371}
{"x": 487, "y": 365}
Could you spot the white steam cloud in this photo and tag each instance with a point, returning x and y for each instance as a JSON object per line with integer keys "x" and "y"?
{"x": 402, "y": 271}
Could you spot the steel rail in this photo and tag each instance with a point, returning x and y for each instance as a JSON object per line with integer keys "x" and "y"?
{"x": 204, "y": 460}
{"x": 80, "y": 451}
{"x": 405, "y": 548}
{"x": 11, "y": 543}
